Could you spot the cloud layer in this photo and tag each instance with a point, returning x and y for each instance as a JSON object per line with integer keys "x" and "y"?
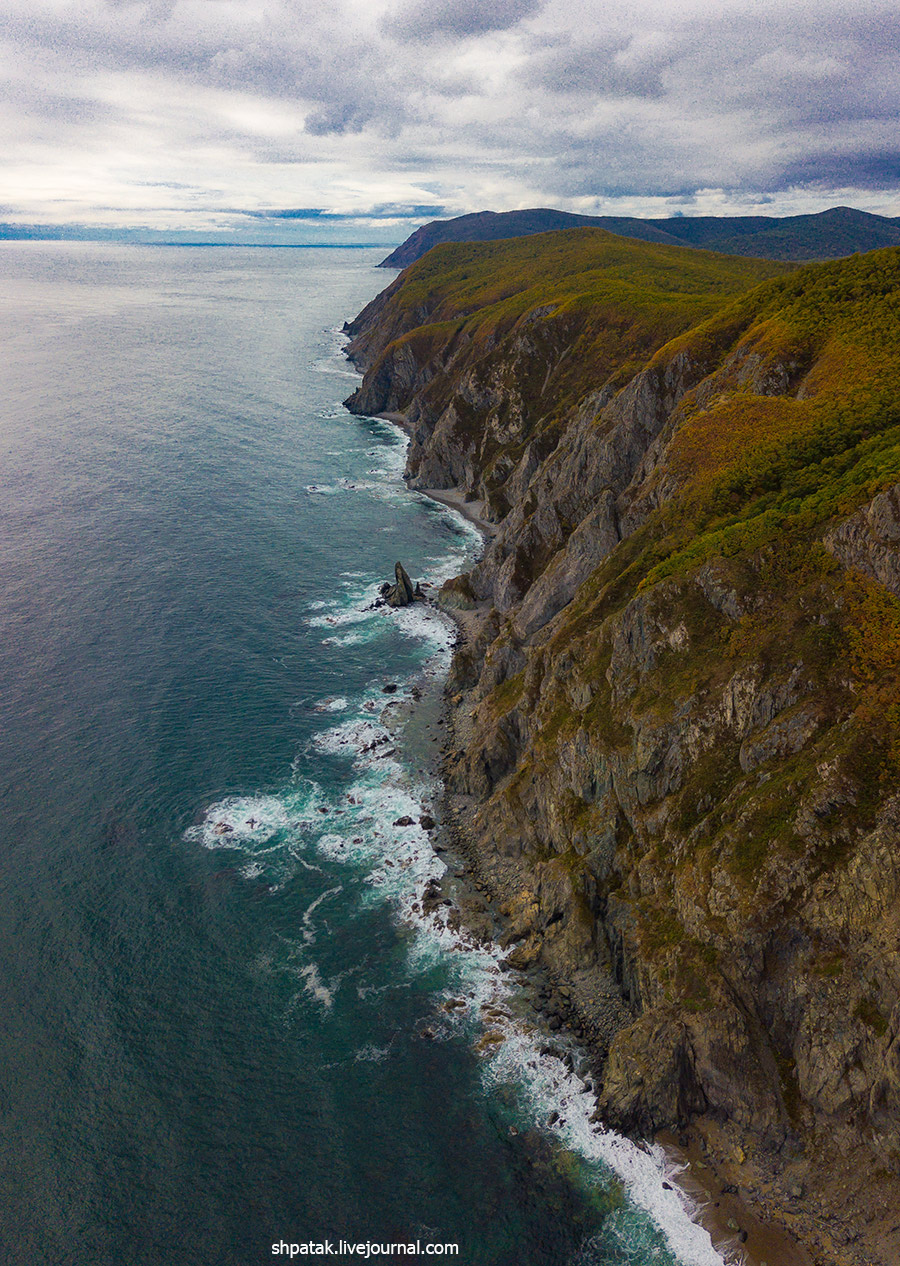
{"x": 212, "y": 114}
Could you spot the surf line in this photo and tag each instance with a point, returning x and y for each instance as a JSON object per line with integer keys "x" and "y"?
{"x": 515, "y": 1052}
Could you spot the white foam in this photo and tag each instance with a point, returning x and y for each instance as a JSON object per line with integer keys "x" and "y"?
{"x": 398, "y": 862}
{"x": 371, "y": 1054}
{"x": 349, "y": 639}
{"x": 328, "y": 366}
{"x": 333, "y": 705}
{"x": 512, "y": 1050}
{"x": 402, "y": 862}
{"x": 355, "y": 611}
{"x": 316, "y": 987}
{"x": 334, "y": 846}
{"x": 355, "y": 733}
{"x": 309, "y": 935}
{"x": 241, "y": 820}
{"x": 549, "y": 1087}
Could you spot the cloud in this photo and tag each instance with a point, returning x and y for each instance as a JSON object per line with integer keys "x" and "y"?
{"x": 456, "y": 19}
{"x": 623, "y": 67}
{"x": 873, "y": 171}
{"x": 174, "y": 109}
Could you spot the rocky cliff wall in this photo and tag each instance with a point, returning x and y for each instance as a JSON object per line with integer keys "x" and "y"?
{"x": 677, "y": 736}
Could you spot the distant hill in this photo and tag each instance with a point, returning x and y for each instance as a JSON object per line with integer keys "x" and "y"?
{"x": 827, "y": 235}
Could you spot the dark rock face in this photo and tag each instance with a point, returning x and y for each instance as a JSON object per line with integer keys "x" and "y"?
{"x": 401, "y": 593}
{"x": 658, "y": 793}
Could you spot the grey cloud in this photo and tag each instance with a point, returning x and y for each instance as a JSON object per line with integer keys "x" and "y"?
{"x": 62, "y": 107}
{"x": 337, "y": 118}
{"x": 286, "y": 55}
{"x": 878, "y": 170}
{"x": 601, "y": 68}
{"x": 458, "y": 19}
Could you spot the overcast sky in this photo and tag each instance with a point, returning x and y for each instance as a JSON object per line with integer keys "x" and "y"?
{"x": 372, "y": 116}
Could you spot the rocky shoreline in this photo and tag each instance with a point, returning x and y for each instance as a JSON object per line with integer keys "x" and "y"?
{"x": 747, "y": 1203}
{"x": 587, "y": 1005}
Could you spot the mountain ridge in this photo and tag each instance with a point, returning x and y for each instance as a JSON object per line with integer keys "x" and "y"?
{"x": 823, "y": 235}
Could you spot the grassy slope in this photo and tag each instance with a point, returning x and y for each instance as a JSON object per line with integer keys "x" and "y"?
{"x": 760, "y": 475}
{"x": 497, "y": 282}
{"x": 756, "y": 466}
{"x": 754, "y": 475}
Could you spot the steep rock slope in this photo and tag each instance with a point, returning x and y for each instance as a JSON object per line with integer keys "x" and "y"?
{"x": 678, "y": 718}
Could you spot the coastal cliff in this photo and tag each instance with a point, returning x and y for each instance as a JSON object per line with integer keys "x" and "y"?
{"x": 677, "y": 712}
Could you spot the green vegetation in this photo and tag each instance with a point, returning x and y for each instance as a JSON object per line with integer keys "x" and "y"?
{"x": 706, "y": 738}
{"x": 868, "y": 1012}
{"x": 757, "y": 467}
{"x": 620, "y": 280}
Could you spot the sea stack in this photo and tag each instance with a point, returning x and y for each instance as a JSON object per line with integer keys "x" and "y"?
{"x": 401, "y": 593}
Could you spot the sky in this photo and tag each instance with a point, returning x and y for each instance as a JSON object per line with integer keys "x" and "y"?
{"x": 357, "y": 120}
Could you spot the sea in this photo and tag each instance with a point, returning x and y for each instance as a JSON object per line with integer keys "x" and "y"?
{"x": 229, "y": 1034}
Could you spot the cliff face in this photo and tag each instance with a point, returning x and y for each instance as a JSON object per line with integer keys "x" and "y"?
{"x": 678, "y": 720}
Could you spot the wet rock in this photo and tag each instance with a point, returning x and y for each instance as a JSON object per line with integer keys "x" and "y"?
{"x": 406, "y": 820}
{"x": 431, "y": 896}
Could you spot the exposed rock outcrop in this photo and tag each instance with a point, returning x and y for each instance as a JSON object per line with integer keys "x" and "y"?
{"x": 401, "y": 593}
{"x": 870, "y": 539}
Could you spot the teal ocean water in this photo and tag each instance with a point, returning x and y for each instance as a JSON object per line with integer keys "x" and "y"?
{"x": 224, "y": 1020}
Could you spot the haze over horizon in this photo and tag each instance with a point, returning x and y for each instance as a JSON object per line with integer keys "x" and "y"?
{"x": 269, "y": 122}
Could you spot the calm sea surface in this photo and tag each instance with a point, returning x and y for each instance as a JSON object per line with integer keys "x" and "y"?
{"x": 223, "y": 1025}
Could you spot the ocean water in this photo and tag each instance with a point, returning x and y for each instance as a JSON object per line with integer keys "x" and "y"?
{"x": 225, "y": 1022}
